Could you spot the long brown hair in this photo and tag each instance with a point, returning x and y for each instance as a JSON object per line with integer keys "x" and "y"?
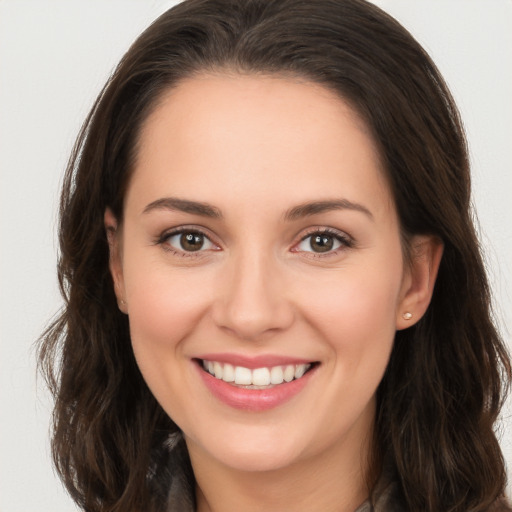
{"x": 447, "y": 377}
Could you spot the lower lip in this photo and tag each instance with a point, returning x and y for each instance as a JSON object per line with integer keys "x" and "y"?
{"x": 253, "y": 399}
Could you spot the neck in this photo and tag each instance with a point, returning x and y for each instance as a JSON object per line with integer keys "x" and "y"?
{"x": 334, "y": 480}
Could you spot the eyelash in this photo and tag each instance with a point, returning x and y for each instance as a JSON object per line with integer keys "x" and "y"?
{"x": 163, "y": 240}
{"x": 346, "y": 242}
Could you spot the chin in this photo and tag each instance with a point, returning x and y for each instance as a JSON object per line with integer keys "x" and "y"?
{"x": 252, "y": 453}
{"x": 257, "y": 459}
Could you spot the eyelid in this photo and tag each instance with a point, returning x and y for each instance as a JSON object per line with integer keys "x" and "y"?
{"x": 163, "y": 238}
{"x": 344, "y": 238}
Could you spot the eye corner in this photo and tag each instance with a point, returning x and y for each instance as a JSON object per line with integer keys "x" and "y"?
{"x": 335, "y": 241}
{"x": 179, "y": 241}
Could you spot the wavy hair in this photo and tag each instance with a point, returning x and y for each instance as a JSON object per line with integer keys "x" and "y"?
{"x": 447, "y": 376}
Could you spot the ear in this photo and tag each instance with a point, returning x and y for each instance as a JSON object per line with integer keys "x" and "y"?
{"x": 419, "y": 279}
{"x": 115, "y": 258}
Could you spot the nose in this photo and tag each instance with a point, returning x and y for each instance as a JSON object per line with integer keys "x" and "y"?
{"x": 252, "y": 300}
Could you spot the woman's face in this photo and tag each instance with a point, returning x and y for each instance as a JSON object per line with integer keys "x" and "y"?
{"x": 260, "y": 240}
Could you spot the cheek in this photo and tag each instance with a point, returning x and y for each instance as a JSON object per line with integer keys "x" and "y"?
{"x": 355, "y": 315}
{"x": 164, "y": 305}
{"x": 164, "y": 308}
{"x": 354, "y": 302}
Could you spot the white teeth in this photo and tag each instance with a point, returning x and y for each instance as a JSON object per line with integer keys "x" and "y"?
{"x": 229, "y": 373}
{"x": 289, "y": 373}
{"x": 300, "y": 370}
{"x": 217, "y": 370}
{"x": 261, "y": 377}
{"x": 276, "y": 375}
{"x": 242, "y": 376}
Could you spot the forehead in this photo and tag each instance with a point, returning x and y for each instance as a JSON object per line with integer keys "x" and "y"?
{"x": 254, "y": 101}
{"x": 258, "y": 134}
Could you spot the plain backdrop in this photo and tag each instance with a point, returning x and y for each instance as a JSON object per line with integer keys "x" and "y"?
{"x": 55, "y": 56}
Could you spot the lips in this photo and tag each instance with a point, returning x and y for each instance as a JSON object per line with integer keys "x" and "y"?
{"x": 254, "y": 384}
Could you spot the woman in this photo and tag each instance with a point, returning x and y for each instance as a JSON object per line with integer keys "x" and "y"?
{"x": 274, "y": 295}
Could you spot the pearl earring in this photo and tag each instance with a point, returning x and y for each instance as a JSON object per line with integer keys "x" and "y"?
{"x": 407, "y": 315}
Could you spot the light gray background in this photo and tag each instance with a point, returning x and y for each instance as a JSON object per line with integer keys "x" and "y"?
{"x": 55, "y": 56}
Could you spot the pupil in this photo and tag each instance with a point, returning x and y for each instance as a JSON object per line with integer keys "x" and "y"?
{"x": 322, "y": 243}
{"x": 191, "y": 241}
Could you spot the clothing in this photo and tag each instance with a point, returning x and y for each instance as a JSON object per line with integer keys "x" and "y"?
{"x": 181, "y": 497}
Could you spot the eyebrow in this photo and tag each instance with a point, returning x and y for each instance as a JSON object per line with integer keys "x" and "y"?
{"x": 316, "y": 207}
{"x": 295, "y": 213}
{"x": 184, "y": 205}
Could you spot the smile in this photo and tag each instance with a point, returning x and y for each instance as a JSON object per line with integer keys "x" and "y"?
{"x": 256, "y": 378}
{"x": 254, "y": 384}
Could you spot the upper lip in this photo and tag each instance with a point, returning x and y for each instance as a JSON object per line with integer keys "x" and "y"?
{"x": 253, "y": 362}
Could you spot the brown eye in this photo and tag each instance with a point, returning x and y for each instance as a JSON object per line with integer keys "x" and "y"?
{"x": 321, "y": 243}
{"x": 188, "y": 241}
{"x": 191, "y": 241}
{"x": 324, "y": 242}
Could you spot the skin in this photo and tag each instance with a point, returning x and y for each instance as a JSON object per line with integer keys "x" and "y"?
{"x": 254, "y": 148}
